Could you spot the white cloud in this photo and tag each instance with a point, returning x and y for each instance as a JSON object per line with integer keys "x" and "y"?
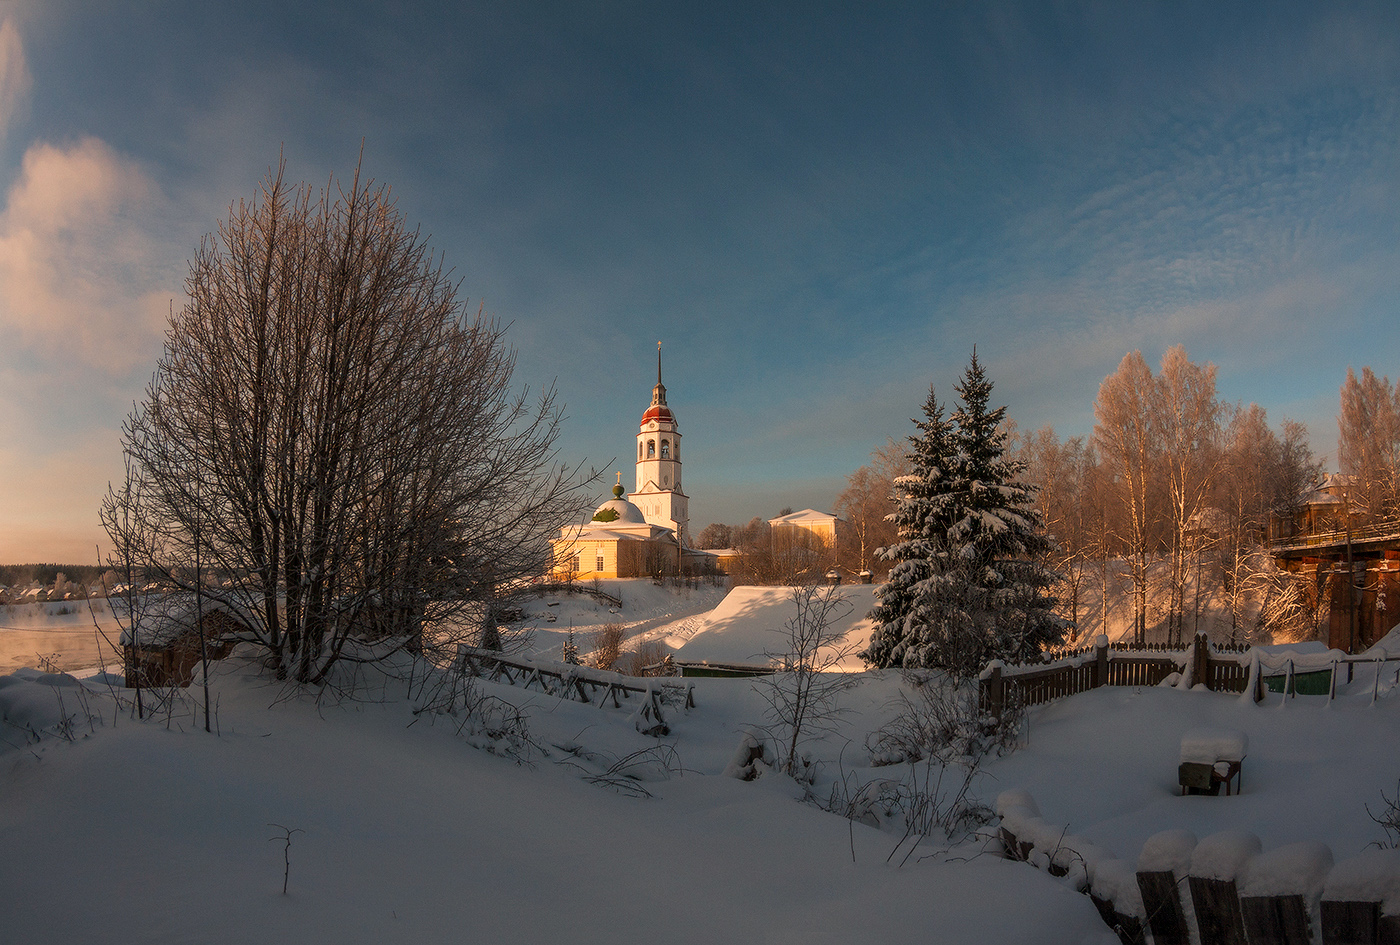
{"x": 14, "y": 75}
{"x": 78, "y": 284}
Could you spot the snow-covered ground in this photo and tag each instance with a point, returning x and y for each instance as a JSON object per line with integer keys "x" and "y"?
{"x": 412, "y": 831}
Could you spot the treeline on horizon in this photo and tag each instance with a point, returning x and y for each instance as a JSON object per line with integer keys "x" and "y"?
{"x": 18, "y": 575}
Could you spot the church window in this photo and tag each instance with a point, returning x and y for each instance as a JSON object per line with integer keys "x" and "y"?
{"x": 665, "y": 449}
{"x": 651, "y": 448}
{"x": 639, "y": 451}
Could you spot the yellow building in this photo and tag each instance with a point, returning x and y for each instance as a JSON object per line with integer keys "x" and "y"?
{"x": 617, "y": 542}
{"x": 821, "y": 525}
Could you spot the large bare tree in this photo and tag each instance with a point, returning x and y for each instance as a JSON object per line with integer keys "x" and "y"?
{"x": 337, "y": 434}
{"x": 1124, "y": 437}
{"x": 1368, "y": 444}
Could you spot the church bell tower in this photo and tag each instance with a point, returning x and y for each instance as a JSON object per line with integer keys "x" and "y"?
{"x": 659, "y": 494}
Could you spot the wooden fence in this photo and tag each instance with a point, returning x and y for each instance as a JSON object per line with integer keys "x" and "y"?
{"x": 579, "y": 683}
{"x": 1110, "y": 665}
{"x": 1220, "y": 913}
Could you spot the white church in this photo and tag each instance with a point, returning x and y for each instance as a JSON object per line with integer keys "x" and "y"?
{"x": 648, "y": 533}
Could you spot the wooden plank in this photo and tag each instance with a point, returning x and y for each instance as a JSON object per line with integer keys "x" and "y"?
{"x": 1218, "y": 917}
{"x": 1165, "y": 916}
{"x": 1277, "y": 920}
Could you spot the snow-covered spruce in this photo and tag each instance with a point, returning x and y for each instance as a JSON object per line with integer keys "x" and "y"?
{"x": 969, "y": 584}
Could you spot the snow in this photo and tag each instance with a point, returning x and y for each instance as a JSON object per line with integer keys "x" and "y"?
{"x": 1224, "y": 855}
{"x": 1116, "y": 881}
{"x": 1206, "y": 746}
{"x": 749, "y": 621}
{"x": 1297, "y": 869}
{"x": 1169, "y": 850}
{"x": 1372, "y": 876}
{"x": 411, "y": 835}
{"x": 418, "y": 828}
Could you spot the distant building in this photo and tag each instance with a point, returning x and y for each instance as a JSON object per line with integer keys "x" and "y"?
{"x": 822, "y": 525}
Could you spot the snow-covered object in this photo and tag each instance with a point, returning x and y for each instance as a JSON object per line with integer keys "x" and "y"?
{"x": 1168, "y": 850}
{"x": 1252, "y": 683}
{"x": 1298, "y": 869}
{"x": 741, "y": 765}
{"x": 1374, "y": 876}
{"x": 1016, "y": 798}
{"x": 1115, "y": 881}
{"x": 1225, "y": 855}
{"x": 1207, "y": 746}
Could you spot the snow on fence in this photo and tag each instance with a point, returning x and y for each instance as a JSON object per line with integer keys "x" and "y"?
{"x": 1223, "y": 669}
{"x": 1223, "y": 889}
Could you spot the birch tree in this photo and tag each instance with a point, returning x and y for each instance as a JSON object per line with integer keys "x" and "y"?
{"x": 1125, "y": 439}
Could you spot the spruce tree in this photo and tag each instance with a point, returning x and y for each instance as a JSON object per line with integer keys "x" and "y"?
{"x": 969, "y": 584}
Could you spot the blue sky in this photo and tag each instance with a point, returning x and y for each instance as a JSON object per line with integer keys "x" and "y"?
{"x": 819, "y": 209}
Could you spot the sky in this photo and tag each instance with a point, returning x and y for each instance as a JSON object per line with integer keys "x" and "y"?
{"x": 819, "y": 209}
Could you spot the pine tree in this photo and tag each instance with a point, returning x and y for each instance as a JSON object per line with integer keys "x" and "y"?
{"x": 969, "y": 584}
{"x": 903, "y": 637}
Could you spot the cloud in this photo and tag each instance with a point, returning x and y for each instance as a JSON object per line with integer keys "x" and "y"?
{"x": 14, "y": 76}
{"x": 78, "y": 279}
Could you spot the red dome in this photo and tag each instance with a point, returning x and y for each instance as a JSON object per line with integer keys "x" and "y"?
{"x": 659, "y": 412}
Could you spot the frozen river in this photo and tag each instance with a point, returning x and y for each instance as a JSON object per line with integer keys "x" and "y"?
{"x": 62, "y": 636}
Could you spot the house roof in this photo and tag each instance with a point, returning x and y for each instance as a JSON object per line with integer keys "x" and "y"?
{"x": 804, "y": 517}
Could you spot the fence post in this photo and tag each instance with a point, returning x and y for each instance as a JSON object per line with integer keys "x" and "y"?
{"x": 1200, "y": 660}
{"x": 996, "y": 690}
{"x": 1100, "y": 660}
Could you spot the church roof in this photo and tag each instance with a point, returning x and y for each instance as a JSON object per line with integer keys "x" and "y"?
{"x": 617, "y": 509}
{"x": 659, "y": 412}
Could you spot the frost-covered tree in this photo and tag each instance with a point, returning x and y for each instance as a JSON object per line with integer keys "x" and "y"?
{"x": 970, "y": 583}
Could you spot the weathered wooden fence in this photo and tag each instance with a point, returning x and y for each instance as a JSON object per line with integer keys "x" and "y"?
{"x": 578, "y": 683}
{"x": 1305, "y": 902}
{"x": 1104, "y": 664}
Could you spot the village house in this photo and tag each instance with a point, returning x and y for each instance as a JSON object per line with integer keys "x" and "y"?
{"x": 1353, "y": 570}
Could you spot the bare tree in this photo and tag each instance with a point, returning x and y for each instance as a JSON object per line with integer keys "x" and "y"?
{"x": 344, "y": 431}
{"x": 778, "y": 556}
{"x": 1124, "y": 438}
{"x": 803, "y": 698}
{"x": 866, "y": 504}
{"x": 1368, "y": 444}
{"x": 714, "y": 535}
{"x": 1186, "y": 414}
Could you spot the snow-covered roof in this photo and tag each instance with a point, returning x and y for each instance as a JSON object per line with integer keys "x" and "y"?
{"x": 621, "y": 511}
{"x": 169, "y": 617}
{"x": 804, "y": 517}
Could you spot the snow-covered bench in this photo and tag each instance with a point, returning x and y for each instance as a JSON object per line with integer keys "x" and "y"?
{"x": 1210, "y": 758}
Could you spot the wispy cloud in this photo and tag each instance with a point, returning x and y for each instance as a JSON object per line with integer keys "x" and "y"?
{"x": 14, "y": 76}
{"x": 77, "y": 281}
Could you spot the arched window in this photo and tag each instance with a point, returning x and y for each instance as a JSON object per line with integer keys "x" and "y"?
{"x": 639, "y": 451}
{"x": 651, "y": 448}
{"x": 665, "y": 449}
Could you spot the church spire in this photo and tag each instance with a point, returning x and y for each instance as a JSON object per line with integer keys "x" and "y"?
{"x": 658, "y": 393}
